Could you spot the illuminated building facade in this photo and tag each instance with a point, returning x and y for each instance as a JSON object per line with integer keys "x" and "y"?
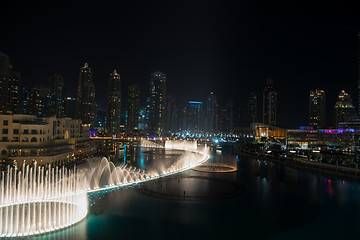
{"x": 211, "y": 113}
{"x": 317, "y": 109}
{"x": 39, "y": 101}
{"x": 70, "y": 107}
{"x": 322, "y": 138}
{"x": 263, "y": 132}
{"x": 25, "y": 91}
{"x": 171, "y": 121}
{"x": 100, "y": 123}
{"x": 133, "y": 109}
{"x": 86, "y": 105}
{"x": 57, "y": 103}
{"x": 113, "y": 105}
{"x": 46, "y": 140}
{"x": 307, "y": 138}
{"x": 157, "y": 102}
{"x": 344, "y": 109}
{"x": 252, "y": 108}
{"x": 226, "y": 117}
{"x": 143, "y": 118}
{"x": 269, "y": 103}
{"x": 10, "y": 94}
{"x": 193, "y": 115}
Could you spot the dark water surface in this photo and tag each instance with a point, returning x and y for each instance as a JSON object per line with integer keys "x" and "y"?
{"x": 262, "y": 200}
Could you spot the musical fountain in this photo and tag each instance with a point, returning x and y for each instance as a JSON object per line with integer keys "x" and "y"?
{"x": 101, "y": 174}
{"x": 37, "y": 200}
{"x": 181, "y": 145}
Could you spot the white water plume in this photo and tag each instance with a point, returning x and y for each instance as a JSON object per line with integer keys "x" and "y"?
{"x": 36, "y": 200}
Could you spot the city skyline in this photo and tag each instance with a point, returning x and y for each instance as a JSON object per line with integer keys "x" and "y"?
{"x": 51, "y": 100}
{"x": 239, "y": 45}
{"x": 184, "y": 119}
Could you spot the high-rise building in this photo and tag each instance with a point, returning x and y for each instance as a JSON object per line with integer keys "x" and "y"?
{"x": 133, "y": 107}
{"x": 10, "y": 94}
{"x": 241, "y": 119}
{"x": 143, "y": 118}
{"x": 39, "y": 101}
{"x": 193, "y": 115}
{"x": 226, "y": 117}
{"x": 70, "y": 107}
{"x": 317, "y": 109}
{"x": 57, "y": 101}
{"x": 252, "y": 108}
{"x": 113, "y": 105}
{"x": 86, "y": 105}
{"x": 344, "y": 109}
{"x": 5, "y": 75}
{"x": 247, "y": 113}
{"x": 100, "y": 123}
{"x": 15, "y": 93}
{"x": 25, "y": 100}
{"x": 171, "y": 121}
{"x": 211, "y": 113}
{"x": 269, "y": 103}
{"x": 157, "y": 101}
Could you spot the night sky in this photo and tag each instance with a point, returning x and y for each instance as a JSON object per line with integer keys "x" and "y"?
{"x": 226, "y": 47}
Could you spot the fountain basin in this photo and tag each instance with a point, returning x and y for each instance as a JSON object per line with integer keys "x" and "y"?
{"x": 39, "y": 217}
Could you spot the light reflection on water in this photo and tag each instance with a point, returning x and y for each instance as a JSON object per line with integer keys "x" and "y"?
{"x": 286, "y": 203}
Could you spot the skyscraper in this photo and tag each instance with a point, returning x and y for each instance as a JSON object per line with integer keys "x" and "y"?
{"x": 317, "y": 109}
{"x": 192, "y": 115}
{"x": 133, "y": 108}
{"x": 252, "y": 108}
{"x": 113, "y": 105}
{"x": 226, "y": 117}
{"x": 171, "y": 121}
{"x": 344, "y": 108}
{"x": 25, "y": 92}
{"x": 86, "y": 105}
{"x": 211, "y": 113}
{"x": 157, "y": 101}
{"x": 39, "y": 101}
{"x": 57, "y": 101}
{"x": 5, "y": 74}
{"x": 70, "y": 107}
{"x": 100, "y": 123}
{"x": 269, "y": 103}
{"x": 143, "y": 118}
{"x": 9, "y": 87}
{"x": 247, "y": 114}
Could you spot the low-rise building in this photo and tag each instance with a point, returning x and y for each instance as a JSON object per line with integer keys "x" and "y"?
{"x": 28, "y": 138}
{"x": 263, "y": 131}
{"x": 344, "y": 139}
{"x": 304, "y": 138}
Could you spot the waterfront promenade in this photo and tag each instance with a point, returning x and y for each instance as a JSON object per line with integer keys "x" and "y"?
{"x": 305, "y": 163}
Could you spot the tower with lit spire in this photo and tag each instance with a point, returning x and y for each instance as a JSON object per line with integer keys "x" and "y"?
{"x": 86, "y": 105}
{"x": 157, "y": 101}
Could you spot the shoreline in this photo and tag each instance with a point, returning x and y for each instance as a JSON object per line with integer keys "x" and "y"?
{"x": 337, "y": 171}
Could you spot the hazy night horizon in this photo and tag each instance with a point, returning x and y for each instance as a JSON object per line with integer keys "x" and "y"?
{"x": 210, "y": 113}
{"x": 229, "y": 48}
